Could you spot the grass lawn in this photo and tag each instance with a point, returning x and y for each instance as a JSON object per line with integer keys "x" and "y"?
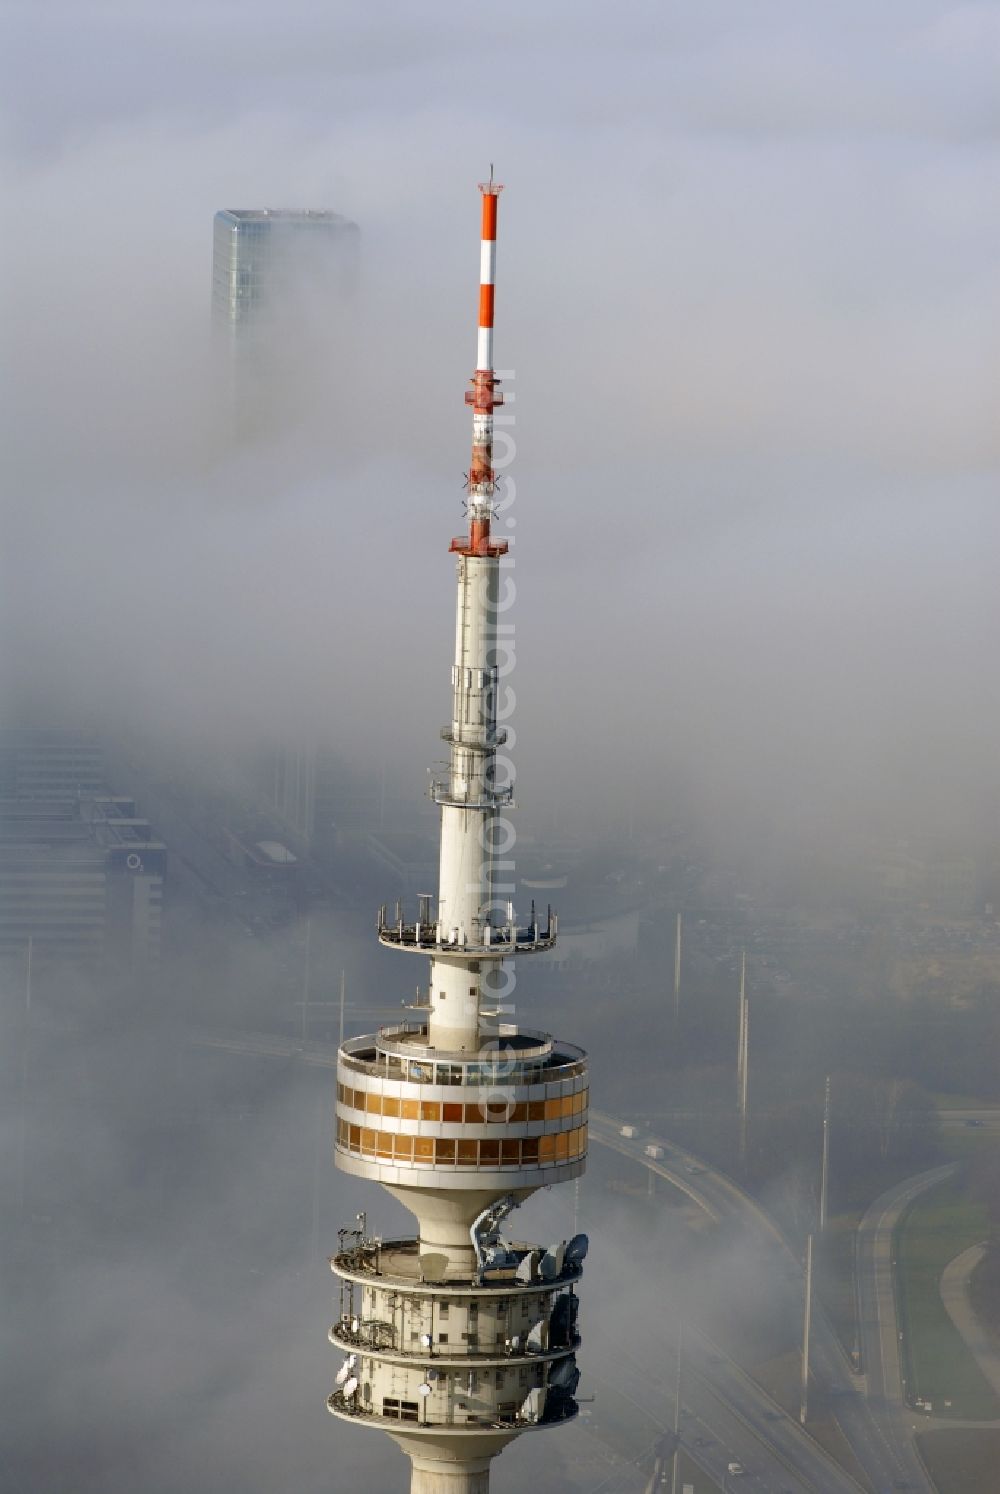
{"x": 962, "y": 1462}
{"x": 945, "y": 1101}
{"x": 937, "y": 1364}
{"x": 965, "y": 1146}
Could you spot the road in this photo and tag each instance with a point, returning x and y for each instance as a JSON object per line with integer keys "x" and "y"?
{"x": 983, "y": 1118}
{"x": 875, "y": 1428}
{"x": 725, "y": 1417}
{"x": 878, "y": 1321}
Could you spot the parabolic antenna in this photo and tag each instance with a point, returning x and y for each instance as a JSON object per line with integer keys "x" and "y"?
{"x": 576, "y": 1250}
{"x": 563, "y": 1320}
{"x": 548, "y": 1270}
{"x": 565, "y": 1373}
{"x": 534, "y": 1404}
{"x": 552, "y": 1261}
{"x": 538, "y": 1337}
{"x": 423, "y": 1389}
{"x": 528, "y": 1269}
{"x": 351, "y": 1386}
{"x": 343, "y": 1372}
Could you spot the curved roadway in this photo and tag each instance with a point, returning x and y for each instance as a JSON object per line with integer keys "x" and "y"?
{"x": 874, "y": 1426}
{"x": 879, "y": 1324}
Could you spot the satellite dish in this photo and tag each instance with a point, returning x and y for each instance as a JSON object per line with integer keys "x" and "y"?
{"x": 351, "y": 1387}
{"x": 553, "y": 1260}
{"x": 423, "y": 1389}
{"x": 576, "y": 1250}
{"x": 355, "y": 1324}
{"x": 528, "y": 1268}
{"x": 433, "y": 1266}
{"x": 538, "y": 1337}
{"x": 533, "y": 1406}
{"x": 426, "y": 1340}
{"x": 565, "y": 1374}
{"x": 345, "y": 1370}
{"x": 563, "y": 1320}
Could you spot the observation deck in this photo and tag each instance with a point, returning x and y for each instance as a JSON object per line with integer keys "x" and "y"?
{"x": 514, "y": 1114}
{"x": 483, "y": 941}
{"x": 442, "y": 792}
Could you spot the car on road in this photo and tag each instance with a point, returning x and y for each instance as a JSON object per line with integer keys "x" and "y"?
{"x": 735, "y": 1469}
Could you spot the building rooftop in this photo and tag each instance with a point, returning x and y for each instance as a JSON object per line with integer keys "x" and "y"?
{"x": 286, "y": 215}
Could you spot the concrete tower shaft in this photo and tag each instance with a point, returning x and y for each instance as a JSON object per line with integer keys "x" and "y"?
{"x": 458, "y": 1340}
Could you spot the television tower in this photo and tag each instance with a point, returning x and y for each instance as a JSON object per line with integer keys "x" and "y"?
{"x": 456, "y": 1340}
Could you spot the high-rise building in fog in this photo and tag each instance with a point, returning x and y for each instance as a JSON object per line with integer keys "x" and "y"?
{"x": 282, "y": 287}
{"x": 281, "y": 292}
{"x": 267, "y": 262}
{"x": 81, "y": 873}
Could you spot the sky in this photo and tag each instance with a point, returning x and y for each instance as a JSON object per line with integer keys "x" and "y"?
{"x": 747, "y": 301}
{"x": 747, "y": 297}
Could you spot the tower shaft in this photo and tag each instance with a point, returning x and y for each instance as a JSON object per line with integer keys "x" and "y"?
{"x": 457, "y": 1340}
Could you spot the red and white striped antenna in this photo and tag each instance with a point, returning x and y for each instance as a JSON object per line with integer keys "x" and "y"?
{"x": 484, "y": 395}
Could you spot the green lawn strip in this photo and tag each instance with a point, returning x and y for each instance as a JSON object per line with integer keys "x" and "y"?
{"x": 944, "y": 1100}
{"x": 937, "y": 1364}
{"x": 965, "y": 1146}
{"x": 984, "y": 1290}
{"x": 962, "y": 1462}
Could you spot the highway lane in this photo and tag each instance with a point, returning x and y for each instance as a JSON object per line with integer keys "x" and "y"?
{"x": 806, "y": 1464}
{"x": 887, "y": 1457}
{"x": 724, "y": 1419}
{"x": 879, "y": 1324}
{"x": 988, "y": 1119}
{"x": 751, "y": 1427}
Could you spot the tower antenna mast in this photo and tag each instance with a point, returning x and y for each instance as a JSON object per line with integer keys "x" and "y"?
{"x": 455, "y": 1340}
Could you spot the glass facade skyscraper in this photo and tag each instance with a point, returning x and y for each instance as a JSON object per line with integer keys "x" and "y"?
{"x": 266, "y": 261}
